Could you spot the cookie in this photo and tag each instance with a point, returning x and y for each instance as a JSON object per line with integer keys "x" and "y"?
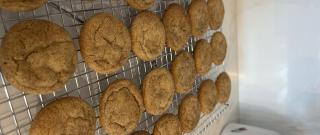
{"x": 140, "y": 4}
{"x": 223, "y": 84}
{"x": 216, "y": 13}
{"x": 147, "y": 35}
{"x": 168, "y": 124}
{"x": 177, "y": 25}
{"x": 157, "y": 91}
{"x": 37, "y": 56}
{"x": 183, "y": 70}
{"x": 65, "y": 116}
{"x": 120, "y": 107}
{"x": 189, "y": 113}
{"x": 141, "y": 132}
{"x": 203, "y": 56}
{"x": 21, "y": 5}
{"x": 208, "y": 96}
{"x": 198, "y": 12}
{"x": 105, "y": 43}
{"x": 219, "y": 48}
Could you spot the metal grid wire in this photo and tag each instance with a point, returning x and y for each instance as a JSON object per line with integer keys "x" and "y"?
{"x": 17, "y": 109}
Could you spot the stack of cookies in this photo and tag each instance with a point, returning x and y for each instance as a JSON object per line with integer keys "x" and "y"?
{"x": 39, "y": 57}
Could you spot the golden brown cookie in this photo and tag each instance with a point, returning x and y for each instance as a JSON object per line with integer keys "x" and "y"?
{"x": 141, "y": 4}
{"x": 141, "y": 132}
{"x": 65, "y": 116}
{"x": 168, "y": 124}
{"x": 158, "y": 91}
{"x": 147, "y": 35}
{"x": 120, "y": 107}
{"x": 189, "y": 113}
{"x": 223, "y": 84}
{"x": 105, "y": 43}
{"x": 219, "y": 48}
{"x": 177, "y": 25}
{"x": 198, "y": 12}
{"x": 203, "y": 57}
{"x": 21, "y": 5}
{"x": 208, "y": 96}
{"x": 216, "y": 13}
{"x": 37, "y": 56}
{"x": 184, "y": 72}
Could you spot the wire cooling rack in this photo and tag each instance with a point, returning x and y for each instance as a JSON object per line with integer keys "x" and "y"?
{"x": 17, "y": 109}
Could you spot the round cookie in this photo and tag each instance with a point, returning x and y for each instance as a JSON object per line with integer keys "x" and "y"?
{"x": 208, "y": 96}
{"x": 189, "y": 113}
{"x": 105, "y": 43}
{"x": 147, "y": 35}
{"x": 168, "y": 124}
{"x": 198, "y": 12}
{"x": 216, "y": 13}
{"x": 219, "y": 48}
{"x": 21, "y": 5}
{"x": 177, "y": 25}
{"x": 65, "y": 116}
{"x": 223, "y": 84}
{"x": 184, "y": 72}
{"x": 37, "y": 56}
{"x": 141, "y": 132}
{"x": 120, "y": 107}
{"x": 157, "y": 91}
{"x": 203, "y": 57}
{"x": 140, "y": 4}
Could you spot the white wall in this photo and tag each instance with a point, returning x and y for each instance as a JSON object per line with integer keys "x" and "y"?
{"x": 279, "y": 65}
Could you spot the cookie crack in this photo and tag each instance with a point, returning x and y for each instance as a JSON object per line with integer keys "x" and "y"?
{"x": 40, "y": 48}
{"x": 110, "y": 44}
{"x": 23, "y": 44}
{"x": 147, "y": 2}
{"x": 142, "y": 45}
{"x": 74, "y": 118}
{"x": 135, "y": 99}
{"x": 163, "y": 91}
{"x": 45, "y": 66}
{"x": 121, "y": 126}
{"x": 96, "y": 31}
{"x": 113, "y": 44}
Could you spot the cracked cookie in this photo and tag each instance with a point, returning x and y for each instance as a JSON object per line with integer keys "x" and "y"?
{"x": 177, "y": 25}
{"x": 168, "y": 124}
{"x": 37, "y": 56}
{"x": 65, "y": 116}
{"x": 147, "y": 35}
{"x": 121, "y": 107}
{"x": 184, "y": 72}
{"x": 216, "y": 13}
{"x": 198, "y": 12}
{"x": 208, "y": 96}
{"x": 141, "y": 132}
{"x": 105, "y": 43}
{"x": 203, "y": 57}
{"x": 157, "y": 91}
{"x": 219, "y": 48}
{"x": 189, "y": 113}
{"x": 140, "y": 4}
{"x": 223, "y": 84}
{"x": 21, "y": 5}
